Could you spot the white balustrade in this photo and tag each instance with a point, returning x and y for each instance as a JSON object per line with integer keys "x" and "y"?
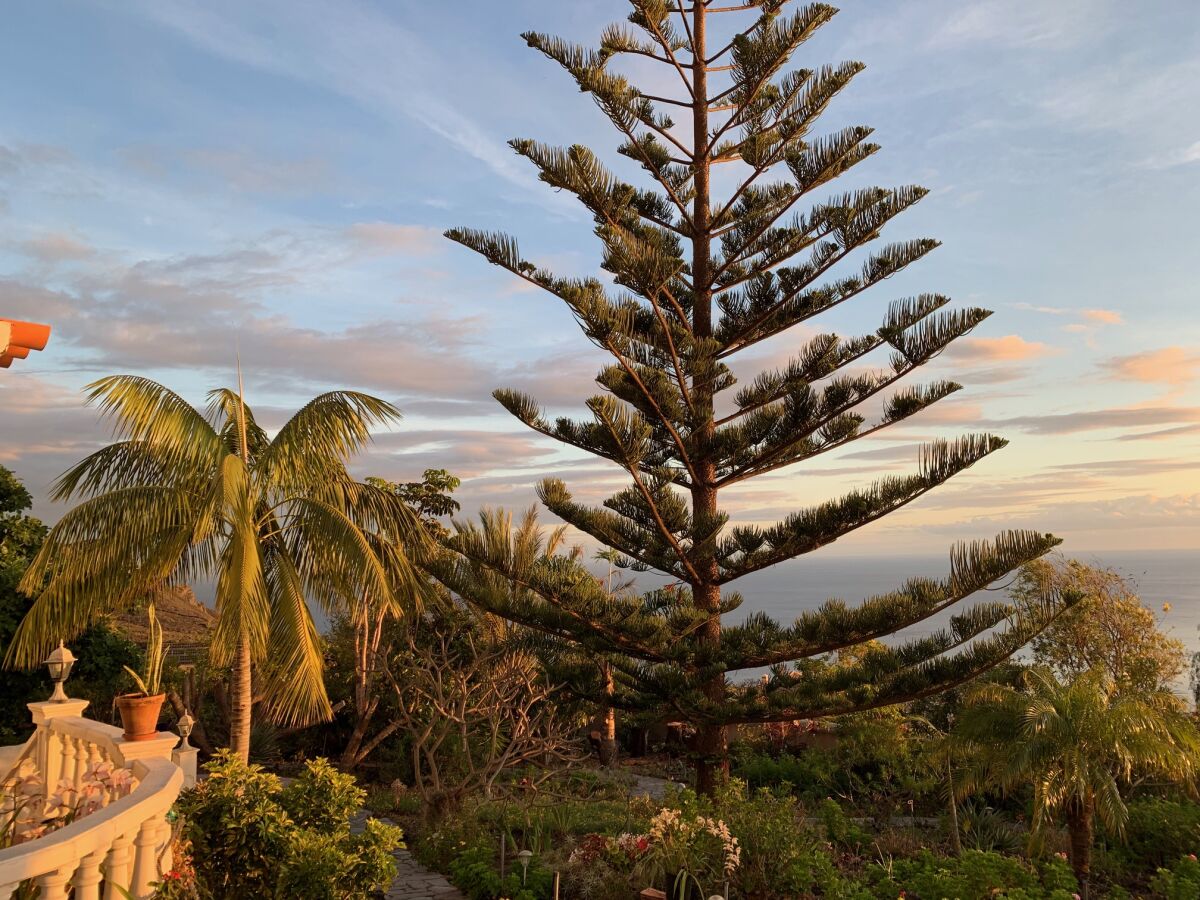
{"x": 123, "y": 846}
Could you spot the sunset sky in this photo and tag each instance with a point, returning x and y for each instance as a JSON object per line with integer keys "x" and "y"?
{"x": 180, "y": 179}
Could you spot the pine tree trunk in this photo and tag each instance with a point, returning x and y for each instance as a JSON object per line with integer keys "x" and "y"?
{"x": 712, "y": 767}
{"x": 1079, "y": 825}
{"x": 243, "y": 700}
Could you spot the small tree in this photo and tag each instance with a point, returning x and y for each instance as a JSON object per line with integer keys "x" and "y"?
{"x": 723, "y": 251}
{"x": 1110, "y": 629}
{"x": 371, "y": 620}
{"x": 473, "y": 707}
{"x": 1078, "y": 744}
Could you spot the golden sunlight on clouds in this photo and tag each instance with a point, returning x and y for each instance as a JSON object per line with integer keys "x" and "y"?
{"x": 1010, "y": 348}
{"x": 1173, "y": 366}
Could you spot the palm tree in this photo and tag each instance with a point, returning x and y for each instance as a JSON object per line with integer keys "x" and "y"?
{"x": 183, "y": 495}
{"x": 1077, "y": 744}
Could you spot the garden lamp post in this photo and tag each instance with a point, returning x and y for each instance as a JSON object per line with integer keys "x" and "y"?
{"x": 184, "y": 726}
{"x": 523, "y": 858}
{"x": 59, "y": 662}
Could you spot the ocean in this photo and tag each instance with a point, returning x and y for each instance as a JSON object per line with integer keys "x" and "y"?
{"x": 1161, "y": 577}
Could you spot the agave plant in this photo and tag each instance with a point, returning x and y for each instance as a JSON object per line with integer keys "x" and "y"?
{"x": 275, "y": 521}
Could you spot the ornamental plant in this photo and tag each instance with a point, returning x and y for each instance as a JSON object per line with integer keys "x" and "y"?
{"x": 27, "y": 812}
{"x": 687, "y": 846}
{"x": 252, "y": 838}
{"x": 737, "y": 235}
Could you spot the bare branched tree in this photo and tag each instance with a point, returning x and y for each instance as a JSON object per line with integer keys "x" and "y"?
{"x": 474, "y": 709}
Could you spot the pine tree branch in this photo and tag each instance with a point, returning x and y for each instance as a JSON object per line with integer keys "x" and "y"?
{"x": 746, "y": 335}
{"x": 867, "y": 345}
{"x": 777, "y": 458}
{"x": 666, "y": 100}
{"x": 663, "y": 417}
{"x": 666, "y": 532}
{"x": 818, "y": 526}
{"x": 676, "y": 365}
{"x": 835, "y": 626}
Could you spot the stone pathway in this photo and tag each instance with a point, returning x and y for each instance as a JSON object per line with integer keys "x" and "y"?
{"x": 652, "y": 787}
{"x": 413, "y": 881}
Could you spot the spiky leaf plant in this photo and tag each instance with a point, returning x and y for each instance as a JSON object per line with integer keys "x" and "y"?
{"x": 700, "y": 276}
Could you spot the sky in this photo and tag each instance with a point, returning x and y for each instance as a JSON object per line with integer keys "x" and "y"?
{"x": 184, "y": 180}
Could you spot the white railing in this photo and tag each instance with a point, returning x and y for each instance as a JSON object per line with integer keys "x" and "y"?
{"x": 124, "y": 846}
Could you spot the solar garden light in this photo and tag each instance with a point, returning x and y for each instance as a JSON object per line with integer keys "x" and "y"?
{"x": 59, "y": 662}
{"x": 523, "y": 858}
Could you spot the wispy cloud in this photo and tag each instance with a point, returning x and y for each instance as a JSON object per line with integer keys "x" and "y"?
{"x": 1172, "y": 366}
{"x": 1064, "y": 23}
{"x": 352, "y": 49}
{"x": 1098, "y": 419}
{"x": 1009, "y": 348}
{"x": 1183, "y": 157}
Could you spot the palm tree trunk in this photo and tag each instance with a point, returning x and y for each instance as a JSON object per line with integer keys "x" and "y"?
{"x": 955, "y": 837}
{"x": 608, "y": 728}
{"x": 243, "y": 700}
{"x": 1079, "y": 825}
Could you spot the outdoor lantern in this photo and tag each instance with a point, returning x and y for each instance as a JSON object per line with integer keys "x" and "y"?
{"x": 59, "y": 663}
{"x": 184, "y": 725}
{"x": 523, "y": 858}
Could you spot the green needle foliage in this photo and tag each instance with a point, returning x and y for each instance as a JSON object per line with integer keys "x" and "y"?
{"x": 1078, "y": 744}
{"x": 275, "y": 522}
{"x": 735, "y": 239}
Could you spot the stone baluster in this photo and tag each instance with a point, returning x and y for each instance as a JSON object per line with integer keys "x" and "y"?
{"x": 81, "y": 754}
{"x": 50, "y": 744}
{"x": 117, "y": 867}
{"x": 88, "y": 877}
{"x": 53, "y": 885}
{"x": 145, "y": 857}
{"x": 54, "y": 760}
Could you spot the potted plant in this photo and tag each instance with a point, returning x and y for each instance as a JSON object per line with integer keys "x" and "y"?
{"x": 140, "y": 709}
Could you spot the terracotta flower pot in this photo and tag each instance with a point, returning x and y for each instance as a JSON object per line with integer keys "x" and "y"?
{"x": 139, "y": 715}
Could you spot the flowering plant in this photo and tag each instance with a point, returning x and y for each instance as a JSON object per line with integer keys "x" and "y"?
{"x": 28, "y": 812}
{"x": 619, "y": 852}
{"x": 682, "y": 841}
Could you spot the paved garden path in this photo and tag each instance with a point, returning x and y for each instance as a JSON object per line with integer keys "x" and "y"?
{"x": 652, "y": 787}
{"x": 413, "y": 881}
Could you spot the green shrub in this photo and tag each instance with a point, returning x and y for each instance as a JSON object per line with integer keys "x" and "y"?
{"x": 1180, "y": 882}
{"x": 239, "y": 833}
{"x": 474, "y": 872}
{"x": 322, "y": 797}
{"x": 780, "y": 857}
{"x": 328, "y": 866}
{"x": 839, "y": 829}
{"x": 1158, "y": 831}
{"x": 976, "y": 875}
{"x": 251, "y": 838}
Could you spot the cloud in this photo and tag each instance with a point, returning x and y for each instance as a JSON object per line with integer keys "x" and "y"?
{"x": 353, "y": 50}
{"x": 1173, "y": 366}
{"x": 1162, "y": 434}
{"x": 1010, "y": 348}
{"x": 389, "y": 239}
{"x": 1103, "y": 316}
{"x": 1120, "y": 515}
{"x": 1038, "y": 26}
{"x": 1181, "y": 157}
{"x": 244, "y": 171}
{"x": 56, "y": 247}
{"x": 1099, "y": 419}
